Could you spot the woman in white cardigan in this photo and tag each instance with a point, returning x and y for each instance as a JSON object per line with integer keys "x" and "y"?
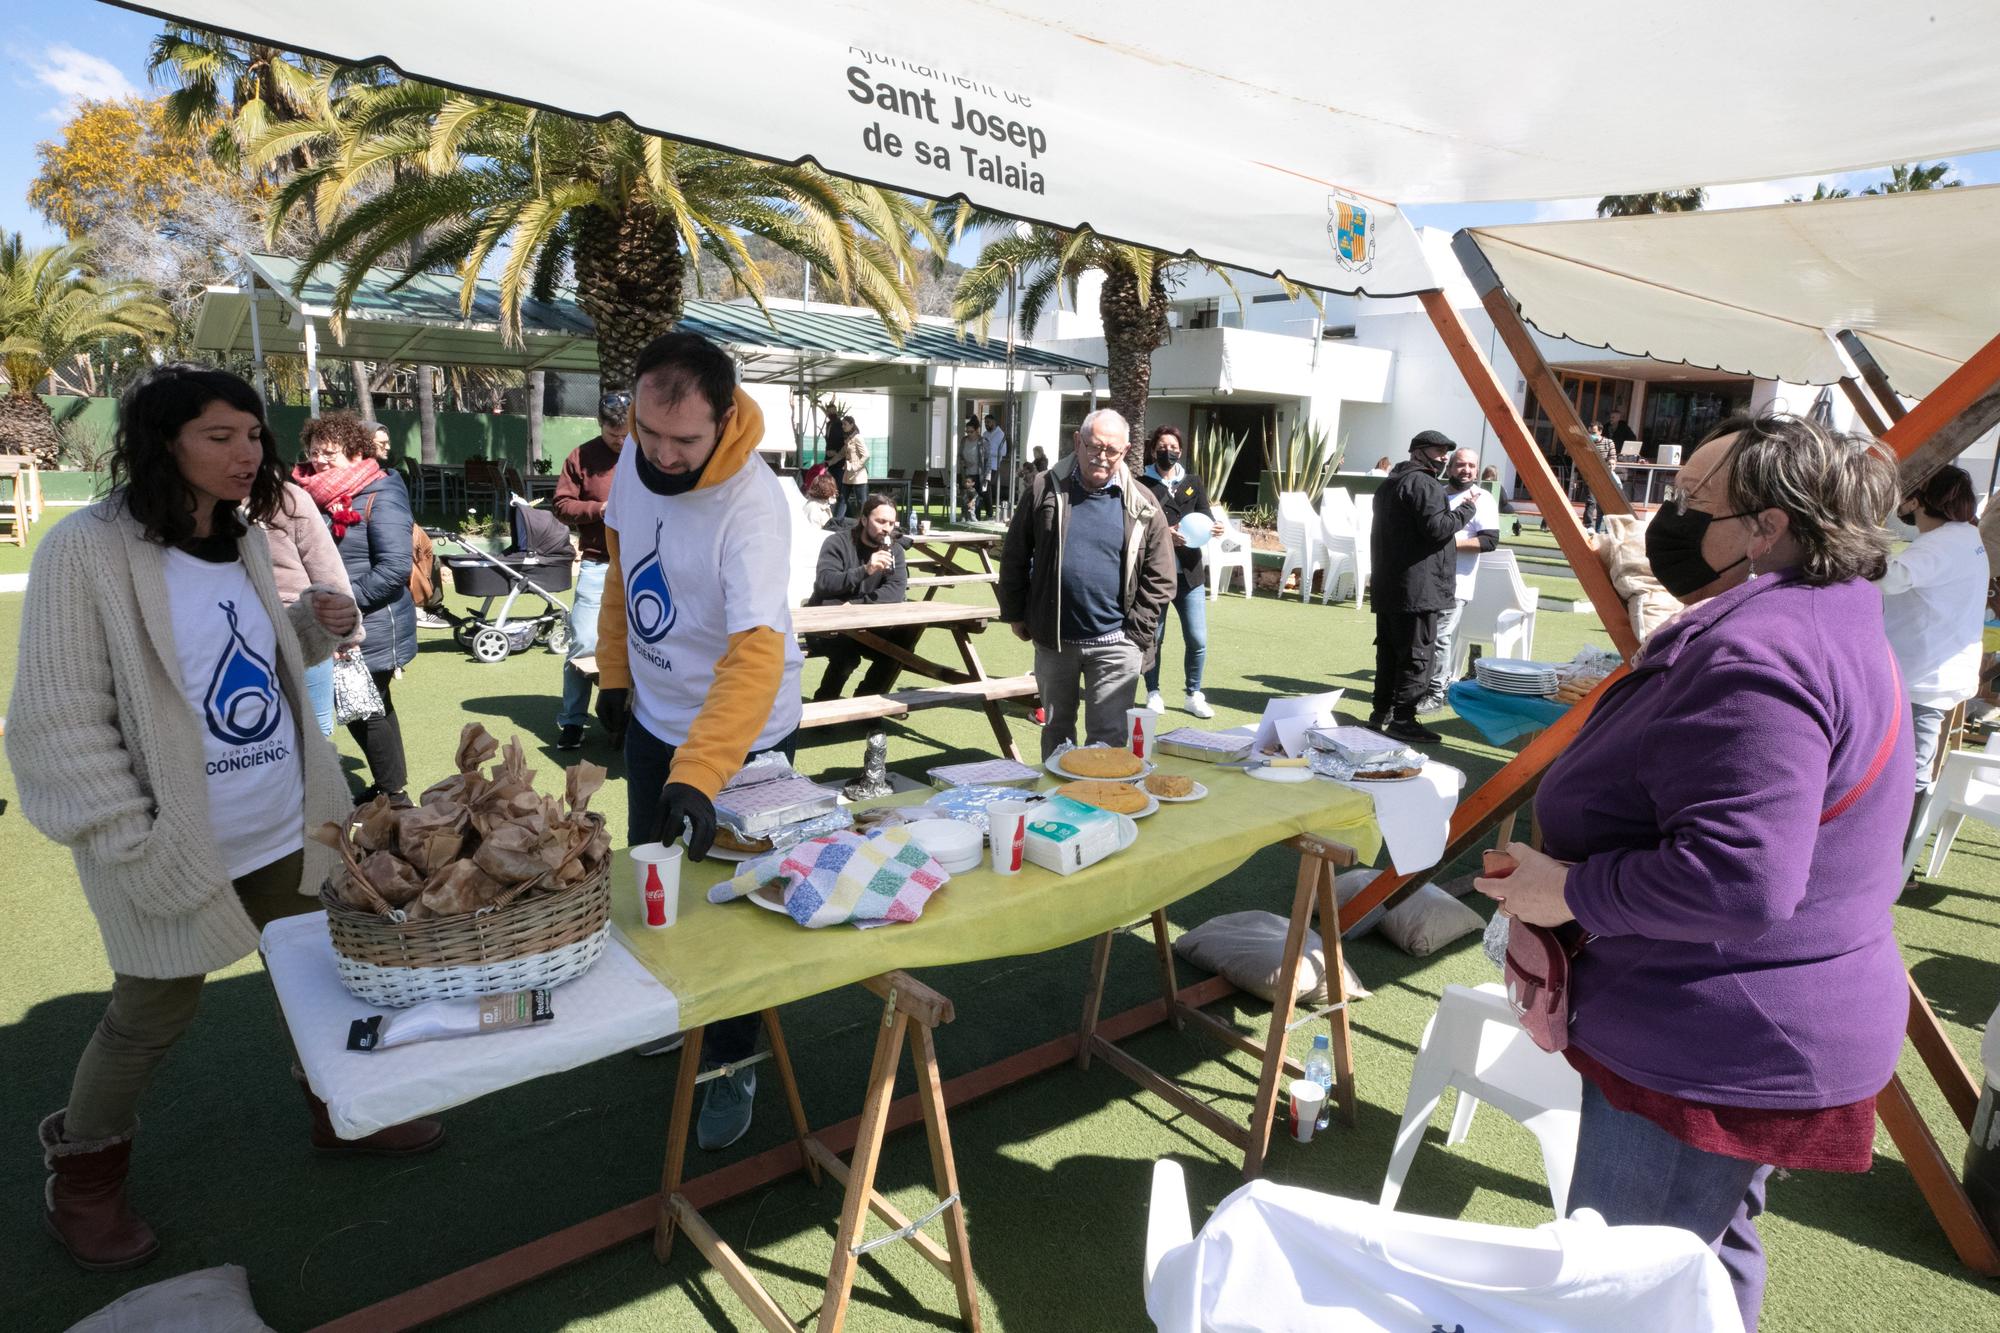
{"x": 160, "y": 731}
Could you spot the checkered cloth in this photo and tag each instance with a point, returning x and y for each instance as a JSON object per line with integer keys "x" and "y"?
{"x": 861, "y": 879}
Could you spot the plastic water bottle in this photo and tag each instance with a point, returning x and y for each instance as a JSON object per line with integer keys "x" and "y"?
{"x": 1319, "y": 1068}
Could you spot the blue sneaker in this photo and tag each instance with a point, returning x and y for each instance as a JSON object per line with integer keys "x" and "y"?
{"x": 726, "y": 1109}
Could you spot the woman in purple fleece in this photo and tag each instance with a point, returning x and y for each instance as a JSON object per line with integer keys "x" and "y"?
{"x": 1717, "y": 835}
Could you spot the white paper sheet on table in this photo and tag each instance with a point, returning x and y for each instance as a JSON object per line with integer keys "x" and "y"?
{"x": 1415, "y": 816}
{"x": 1286, "y": 721}
{"x": 613, "y": 1007}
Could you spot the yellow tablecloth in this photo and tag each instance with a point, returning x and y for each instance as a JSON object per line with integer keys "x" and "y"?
{"x": 726, "y": 959}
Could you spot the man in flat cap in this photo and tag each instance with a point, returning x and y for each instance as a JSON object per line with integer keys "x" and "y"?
{"x": 1413, "y": 548}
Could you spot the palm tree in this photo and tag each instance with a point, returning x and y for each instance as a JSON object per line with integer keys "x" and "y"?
{"x": 53, "y": 309}
{"x": 1660, "y": 201}
{"x": 1046, "y": 262}
{"x": 1820, "y": 191}
{"x": 441, "y": 180}
{"x": 1910, "y": 176}
{"x": 239, "y": 87}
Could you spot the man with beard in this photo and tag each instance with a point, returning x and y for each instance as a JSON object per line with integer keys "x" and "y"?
{"x": 865, "y": 565}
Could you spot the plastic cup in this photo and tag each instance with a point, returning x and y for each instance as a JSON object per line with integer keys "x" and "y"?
{"x": 1307, "y": 1099}
{"x": 656, "y": 872}
{"x": 1140, "y": 724}
{"x": 1007, "y": 827}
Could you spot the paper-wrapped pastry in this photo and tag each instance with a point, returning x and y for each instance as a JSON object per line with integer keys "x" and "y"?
{"x": 475, "y": 746}
{"x": 512, "y": 854}
{"x": 580, "y": 783}
{"x": 393, "y": 878}
{"x": 431, "y": 837}
{"x": 459, "y": 888}
{"x": 375, "y": 826}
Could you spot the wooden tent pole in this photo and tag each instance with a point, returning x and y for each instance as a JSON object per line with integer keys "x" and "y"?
{"x": 1872, "y": 372}
{"x": 1542, "y": 381}
{"x": 1864, "y": 406}
{"x": 1950, "y": 417}
{"x": 1505, "y": 419}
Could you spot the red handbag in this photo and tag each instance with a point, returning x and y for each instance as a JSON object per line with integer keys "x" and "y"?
{"x": 1539, "y": 957}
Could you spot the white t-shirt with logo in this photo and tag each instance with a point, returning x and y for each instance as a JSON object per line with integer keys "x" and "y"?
{"x": 228, "y": 652}
{"x": 1485, "y": 518}
{"x": 698, "y": 569}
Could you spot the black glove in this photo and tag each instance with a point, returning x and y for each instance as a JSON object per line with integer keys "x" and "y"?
{"x": 681, "y": 804}
{"x": 612, "y": 705}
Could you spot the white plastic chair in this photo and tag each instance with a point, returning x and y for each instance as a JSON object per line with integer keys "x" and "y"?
{"x": 1227, "y": 555}
{"x": 1968, "y": 786}
{"x": 1473, "y": 1043}
{"x": 1346, "y": 551}
{"x": 1298, "y": 530}
{"x": 1501, "y": 613}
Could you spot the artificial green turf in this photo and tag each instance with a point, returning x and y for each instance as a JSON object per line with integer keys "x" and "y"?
{"x": 1054, "y": 1171}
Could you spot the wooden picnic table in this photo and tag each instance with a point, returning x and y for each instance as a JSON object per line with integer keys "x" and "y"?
{"x": 967, "y": 682}
{"x": 950, "y": 558}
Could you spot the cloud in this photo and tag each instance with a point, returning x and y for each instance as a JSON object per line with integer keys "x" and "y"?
{"x": 77, "y": 76}
{"x": 1564, "y": 210}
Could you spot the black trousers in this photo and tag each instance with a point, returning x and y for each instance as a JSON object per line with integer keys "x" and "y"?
{"x": 1405, "y": 654}
{"x": 844, "y": 654}
{"x": 647, "y": 762}
{"x": 381, "y": 742}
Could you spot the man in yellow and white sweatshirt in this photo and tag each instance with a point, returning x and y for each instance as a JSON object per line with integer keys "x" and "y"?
{"x": 696, "y": 659}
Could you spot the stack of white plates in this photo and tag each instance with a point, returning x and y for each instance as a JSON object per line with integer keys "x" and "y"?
{"x": 1515, "y": 675}
{"x": 956, "y": 845}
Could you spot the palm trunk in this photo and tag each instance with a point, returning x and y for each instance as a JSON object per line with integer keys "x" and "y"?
{"x": 427, "y": 416}
{"x": 630, "y": 274}
{"x": 364, "y": 398}
{"x": 1132, "y": 330}
{"x": 535, "y": 418}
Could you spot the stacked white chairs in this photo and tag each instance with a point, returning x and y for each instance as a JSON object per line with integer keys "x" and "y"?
{"x": 1225, "y": 556}
{"x": 1299, "y": 532}
{"x": 1500, "y": 615}
{"x": 1345, "y": 526}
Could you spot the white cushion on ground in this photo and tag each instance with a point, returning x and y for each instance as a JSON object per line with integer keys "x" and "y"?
{"x": 214, "y": 1300}
{"x": 1420, "y": 925}
{"x": 1249, "y": 949}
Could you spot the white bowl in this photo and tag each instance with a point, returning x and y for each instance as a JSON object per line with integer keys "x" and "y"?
{"x": 953, "y": 842}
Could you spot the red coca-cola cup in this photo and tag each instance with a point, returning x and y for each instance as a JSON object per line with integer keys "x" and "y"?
{"x": 656, "y": 870}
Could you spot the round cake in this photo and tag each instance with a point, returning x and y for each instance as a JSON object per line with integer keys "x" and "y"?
{"x": 1118, "y": 797}
{"x": 1170, "y": 785}
{"x": 1101, "y": 761}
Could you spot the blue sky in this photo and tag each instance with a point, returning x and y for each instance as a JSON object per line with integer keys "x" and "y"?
{"x": 59, "y": 51}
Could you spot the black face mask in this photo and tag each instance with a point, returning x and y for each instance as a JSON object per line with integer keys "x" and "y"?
{"x": 1673, "y": 550}
{"x": 1166, "y": 461}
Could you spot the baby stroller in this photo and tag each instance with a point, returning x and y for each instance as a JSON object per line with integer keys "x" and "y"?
{"x": 540, "y": 563}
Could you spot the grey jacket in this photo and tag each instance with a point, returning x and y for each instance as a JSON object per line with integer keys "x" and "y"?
{"x": 1031, "y": 560}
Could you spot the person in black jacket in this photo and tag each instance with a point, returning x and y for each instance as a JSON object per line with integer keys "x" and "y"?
{"x": 1413, "y": 549}
{"x": 1180, "y": 493}
{"x": 368, "y": 512}
{"x": 863, "y": 564}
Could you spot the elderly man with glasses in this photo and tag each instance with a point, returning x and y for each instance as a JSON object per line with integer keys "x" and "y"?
{"x": 1086, "y": 574}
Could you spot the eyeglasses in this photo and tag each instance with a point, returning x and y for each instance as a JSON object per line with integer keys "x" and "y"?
{"x": 1103, "y": 451}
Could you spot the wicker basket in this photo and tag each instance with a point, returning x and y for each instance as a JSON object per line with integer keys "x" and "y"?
{"x": 537, "y": 940}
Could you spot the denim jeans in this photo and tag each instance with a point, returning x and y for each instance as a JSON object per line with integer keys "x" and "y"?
{"x": 583, "y": 609}
{"x": 1926, "y": 727}
{"x": 1192, "y": 609}
{"x": 319, "y": 690}
{"x": 1447, "y": 629}
{"x": 1636, "y": 1174}
{"x": 648, "y": 759}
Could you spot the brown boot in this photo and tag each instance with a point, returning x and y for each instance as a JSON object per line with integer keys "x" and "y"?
{"x": 402, "y": 1140}
{"x": 84, "y": 1202}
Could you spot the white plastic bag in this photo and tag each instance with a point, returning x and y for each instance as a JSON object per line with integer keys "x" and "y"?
{"x": 355, "y": 698}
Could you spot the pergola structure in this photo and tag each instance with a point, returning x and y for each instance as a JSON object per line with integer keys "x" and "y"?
{"x": 277, "y": 310}
{"x": 1104, "y": 115}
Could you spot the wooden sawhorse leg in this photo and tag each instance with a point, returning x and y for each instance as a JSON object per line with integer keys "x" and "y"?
{"x": 1319, "y": 858}
{"x": 911, "y": 1012}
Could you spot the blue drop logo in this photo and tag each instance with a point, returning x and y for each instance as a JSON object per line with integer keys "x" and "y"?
{"x": 649, "y": 602}
{"x": 242, "y": 703}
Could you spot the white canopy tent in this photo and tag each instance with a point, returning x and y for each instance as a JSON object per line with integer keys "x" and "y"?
{"x": 1277, "y": 137}
{"x": 1757, "y": 291}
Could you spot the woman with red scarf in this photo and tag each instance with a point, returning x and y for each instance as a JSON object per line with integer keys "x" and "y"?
{"x": 368, "y": 512}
